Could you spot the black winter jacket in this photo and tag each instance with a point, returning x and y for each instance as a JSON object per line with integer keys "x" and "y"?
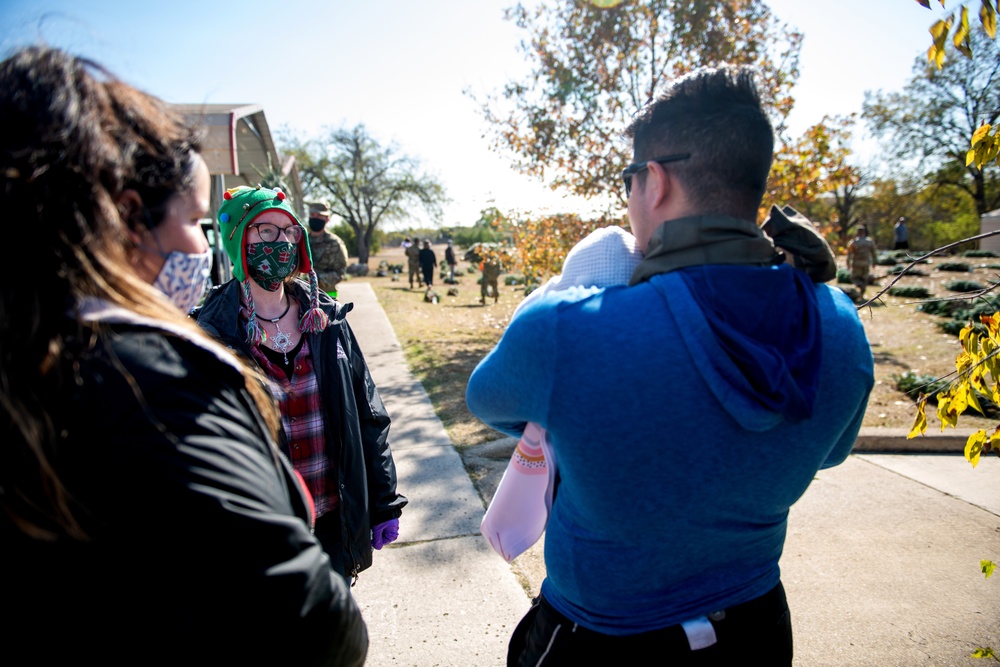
{"x": 198, "y": 548}
{"x": 367, "y": 483}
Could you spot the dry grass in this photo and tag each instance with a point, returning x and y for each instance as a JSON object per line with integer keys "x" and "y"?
{"x": 443, "y": 342}
{"x": 904, "y": 339}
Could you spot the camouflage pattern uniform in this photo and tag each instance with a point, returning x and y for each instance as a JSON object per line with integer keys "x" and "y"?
{"x": 329, "y": 256}
{"x": 413, "y": 254}
{"x": 491, "y": 272}
{"x": 861, "y": 257}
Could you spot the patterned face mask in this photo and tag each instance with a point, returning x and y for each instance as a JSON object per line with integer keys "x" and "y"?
{"x": 184, "y": 278}
{"x": 270, "y": 262}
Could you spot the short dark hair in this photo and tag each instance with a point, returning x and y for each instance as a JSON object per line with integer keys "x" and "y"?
{"x": 716, "y": 115}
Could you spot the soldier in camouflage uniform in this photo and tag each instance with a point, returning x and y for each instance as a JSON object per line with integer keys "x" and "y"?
{"x": 489, "y": 264}
{"x": 329, "y": 252}
{"x": 861, "y": 257}
{"x": 491, "y": 273}
{"x": 413, "y": 257}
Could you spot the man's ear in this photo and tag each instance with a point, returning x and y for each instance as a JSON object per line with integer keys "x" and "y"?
{"x": 658, "y": 185}
{"x": 666, "y": 194}
{"x": 130, "y": 207}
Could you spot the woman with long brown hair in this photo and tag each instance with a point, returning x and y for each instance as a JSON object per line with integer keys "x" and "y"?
{"x": 148, "y": 517}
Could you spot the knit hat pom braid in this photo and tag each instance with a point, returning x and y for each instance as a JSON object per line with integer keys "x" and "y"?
{"x": 255, "y": 333}
{"x": 315, "y": 320}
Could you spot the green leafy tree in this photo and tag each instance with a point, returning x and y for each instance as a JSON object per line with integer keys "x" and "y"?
{"x": 489, "y": 228}
{"x": 951, "y": 213}
{"x": 594, "y": 66}
{"x": 350, "y": 239}
{"x": 365, "y": 183}
{"x": 934, "y": 118}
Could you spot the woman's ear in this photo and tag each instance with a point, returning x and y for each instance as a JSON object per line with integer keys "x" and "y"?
{"x": 133, "y": 215}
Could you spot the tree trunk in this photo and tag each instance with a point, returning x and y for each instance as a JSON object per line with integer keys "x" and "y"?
{"x": 363, "y": 250}
{"x": 363, "y": 241}
{"x": 365, "y": 245}
{"x": 979, "y": 181}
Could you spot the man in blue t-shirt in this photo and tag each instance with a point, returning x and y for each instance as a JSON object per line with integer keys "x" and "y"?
{"x": 687, "y": 411}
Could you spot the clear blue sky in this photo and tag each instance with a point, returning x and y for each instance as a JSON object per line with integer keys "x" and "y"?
{"x": 400, "y": 67}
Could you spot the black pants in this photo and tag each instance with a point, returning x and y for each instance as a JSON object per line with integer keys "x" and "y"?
{"x": 756, "y": 632}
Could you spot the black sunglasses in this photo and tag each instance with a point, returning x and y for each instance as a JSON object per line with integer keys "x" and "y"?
{"x": 636, "y": 167}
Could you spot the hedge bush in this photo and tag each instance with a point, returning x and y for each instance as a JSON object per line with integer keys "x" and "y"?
{"x": 963, "y": 286}
{"x": 899, "y": 268}
{"x": 943, "y": 308}
{"x": 979, "y": 253}
{"x": 957, "y": 267}
{"x": 910, "y": 292}
{"x": 913, "y": 384}
{"x": 961, "y": 311}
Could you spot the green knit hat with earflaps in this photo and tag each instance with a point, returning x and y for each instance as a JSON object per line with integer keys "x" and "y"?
{"x": 240, "y": 206}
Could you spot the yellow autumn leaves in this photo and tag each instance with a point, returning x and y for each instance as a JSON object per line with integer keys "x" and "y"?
{"x": 979, "y": 356}
{"x": 985, "y": 147}
{"x": 940, "y": 30}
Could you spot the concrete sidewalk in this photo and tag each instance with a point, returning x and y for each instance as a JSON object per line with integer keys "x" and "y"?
{"x": 881, "y": 564}
{"x": 438, "y": 595}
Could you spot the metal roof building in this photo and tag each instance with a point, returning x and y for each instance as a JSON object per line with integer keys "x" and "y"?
{"x": 239, "y": 150}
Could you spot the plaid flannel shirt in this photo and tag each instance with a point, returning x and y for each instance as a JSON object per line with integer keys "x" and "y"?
{"x": 302, "y": 421}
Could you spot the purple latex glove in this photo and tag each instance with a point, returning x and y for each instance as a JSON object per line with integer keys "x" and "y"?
{"x": 385, "y": 533}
